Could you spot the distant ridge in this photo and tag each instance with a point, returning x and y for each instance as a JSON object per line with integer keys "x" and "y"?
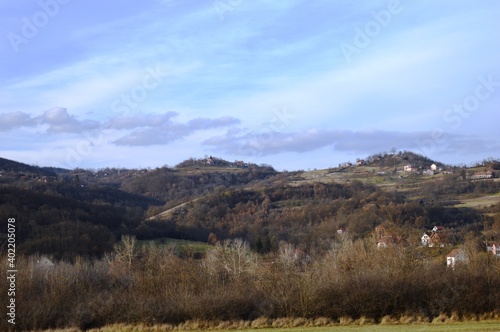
{"x": 8, "y": 165}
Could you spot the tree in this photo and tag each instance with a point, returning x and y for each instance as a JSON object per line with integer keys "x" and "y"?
{"x": 125, "y": 250}
{"x": 212, "y": 238}
{"x": 234, "y": 257}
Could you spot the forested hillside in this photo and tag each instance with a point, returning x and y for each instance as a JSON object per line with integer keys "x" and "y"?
{"x": 79, "y": 212}
{"x": 310, "y": 216}
{"x": 69, "y": 213}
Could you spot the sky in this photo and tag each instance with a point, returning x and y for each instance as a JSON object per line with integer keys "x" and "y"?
{"x": 294, "y": 84}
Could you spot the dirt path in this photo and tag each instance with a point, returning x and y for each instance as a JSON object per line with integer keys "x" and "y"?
{"x": 169, "y": 212}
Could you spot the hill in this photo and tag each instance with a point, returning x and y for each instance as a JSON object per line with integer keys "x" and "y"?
{"x": 83, "y": 212}
{"x": 212, "y": 197}
{"x": 13, "y": 167}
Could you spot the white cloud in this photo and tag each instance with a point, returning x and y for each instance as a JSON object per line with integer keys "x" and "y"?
{"x": 268, "y": 142}
{"x": 13, "y": 120}
{"x": 60, "y": 121}
{"x": 164, "y": 132}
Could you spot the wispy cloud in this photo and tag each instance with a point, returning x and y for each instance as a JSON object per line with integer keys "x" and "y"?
{"x": 140, "y": 120}
{"x": 264, "y": 143}
{"x": 162, "y": 130}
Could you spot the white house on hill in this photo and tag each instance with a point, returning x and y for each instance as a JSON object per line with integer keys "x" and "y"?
{"x": 455, "y": 256}
{"x": 425, "y": 239}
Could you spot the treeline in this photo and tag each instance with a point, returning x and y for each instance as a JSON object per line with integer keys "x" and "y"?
{"x": 353, "y": 280}
{"x": 452, "y": 186}
{"x": 386, "y": 159}
{"x": 309, "y": 215}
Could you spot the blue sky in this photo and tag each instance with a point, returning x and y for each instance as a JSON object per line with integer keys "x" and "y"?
{"x": 295, "y": 84}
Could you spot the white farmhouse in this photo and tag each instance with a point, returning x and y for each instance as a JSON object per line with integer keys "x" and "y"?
{"x": 455, "y": 256}
{"x": 425, "y": 239}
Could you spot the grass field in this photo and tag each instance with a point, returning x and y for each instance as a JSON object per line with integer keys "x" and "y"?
{"x": 183, "y": 245}
{"x": 479, "y": 202}
{"x": 479, "y": 327}
{"x": 482, "y": 326}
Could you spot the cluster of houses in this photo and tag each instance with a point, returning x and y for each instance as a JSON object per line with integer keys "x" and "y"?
{"x": 432, "y": 170}
{"x": 437, "y": 237}
{"x": 428, "y": 171}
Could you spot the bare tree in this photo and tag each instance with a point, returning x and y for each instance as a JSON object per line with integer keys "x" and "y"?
{"x": 125, "y": 250}
{"x": 231, "y": 256}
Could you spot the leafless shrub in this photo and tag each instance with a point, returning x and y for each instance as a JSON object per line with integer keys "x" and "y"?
{"x": 231, "y": 257}
{"x": 388, "y": 320}
{"x": 126, "y": 250}
{"x": 364, "y": 321}
{"x": 345, "y": 320}
{"x": 354, "y": 283}
{"x": 322, "y": 321}
{"x": 300, "y": 321}
{"x": 282, "y": 322}
{"x": 261, "y": 322}
{"x": 442, "y": 318}
{"x": 407, "y": 319}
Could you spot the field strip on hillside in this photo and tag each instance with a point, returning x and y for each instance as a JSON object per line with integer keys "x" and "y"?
{"x": 171, "y": 210}
{"x": 483, "y": 201}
